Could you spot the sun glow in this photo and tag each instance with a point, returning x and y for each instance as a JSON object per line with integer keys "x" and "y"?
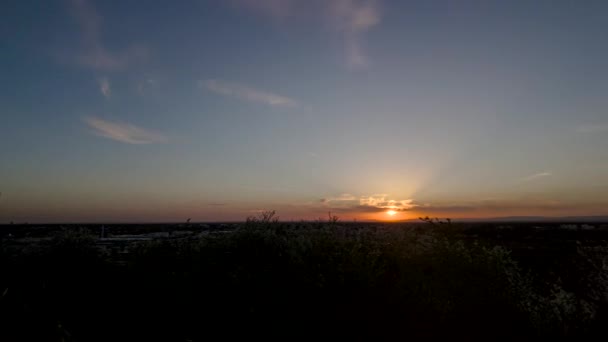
{"x": 391, "y": 212}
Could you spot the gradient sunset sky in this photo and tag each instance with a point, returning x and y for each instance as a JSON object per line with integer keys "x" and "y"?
{"x": 212, "y": 110}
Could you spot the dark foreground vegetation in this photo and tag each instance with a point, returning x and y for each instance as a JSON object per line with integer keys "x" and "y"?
{"x": 311, "y": 281}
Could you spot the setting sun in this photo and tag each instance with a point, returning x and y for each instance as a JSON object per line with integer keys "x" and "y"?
{"x": 391, "y": 212}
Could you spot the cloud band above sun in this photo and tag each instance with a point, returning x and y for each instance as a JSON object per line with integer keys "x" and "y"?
{"x": 369, "y": 205}
{"x": 372, "y": 203}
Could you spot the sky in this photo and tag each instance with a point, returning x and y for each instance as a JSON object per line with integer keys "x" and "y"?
{"x": 131, "y": 111}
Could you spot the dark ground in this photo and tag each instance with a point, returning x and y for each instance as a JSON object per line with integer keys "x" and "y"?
{"x": 290, "y": 281}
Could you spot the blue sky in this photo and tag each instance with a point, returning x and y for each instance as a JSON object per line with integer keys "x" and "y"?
{"x": 213, "y": 110}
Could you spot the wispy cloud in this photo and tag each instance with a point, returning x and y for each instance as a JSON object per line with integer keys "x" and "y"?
{"x": 247, "y": 93}
{"x": 104, "y": 87}
{"x": 93, "y": 53}
{"x": 351, "y": 19}
{"x": 124, "y": 132}
{"x": 536, "y": 176}
{"x": 354, "y": 18}
{"x": 593, "y": 128}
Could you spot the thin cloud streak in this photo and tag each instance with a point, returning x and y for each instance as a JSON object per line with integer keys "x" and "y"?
{"x": 104, "y": 87}
{"x": 247, "y": 93}
{"x": 340, "y": 198}
{"x": 537, "y": 176}
{"x": 123, "y": 132}
{"x": 93, "y": 53}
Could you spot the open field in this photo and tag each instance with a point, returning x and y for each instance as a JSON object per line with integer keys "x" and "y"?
{"x": 361, "y": 281}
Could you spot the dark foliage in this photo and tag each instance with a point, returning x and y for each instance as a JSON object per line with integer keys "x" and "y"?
{"x": 297, "y": 281}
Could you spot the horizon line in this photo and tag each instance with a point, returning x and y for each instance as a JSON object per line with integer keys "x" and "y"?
{"x": 518, "y": 219}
